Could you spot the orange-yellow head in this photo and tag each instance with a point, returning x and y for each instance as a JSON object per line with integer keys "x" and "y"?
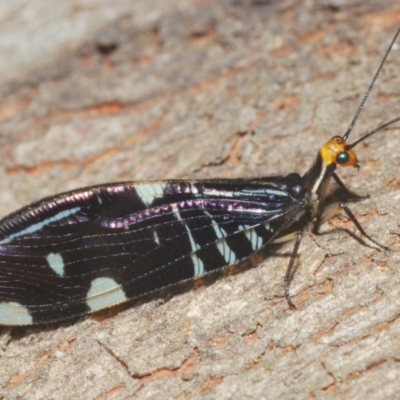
{"x": 336, "y": 151}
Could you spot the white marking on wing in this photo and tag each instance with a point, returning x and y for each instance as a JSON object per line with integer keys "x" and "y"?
{"x": 193, "y": 189}
{"x": 255, "y": 240}
{"x": 98, "y": 197}
{"x": 244, "y": 192}
{"x": 217, "y": 193}
{"x": 103, "y": 293}
{"x": 56, "y": 263}
{"x": 198, "y": 265}
{"x": 156, "y": 238}
{"x": 149, "y": 192}
{"x": 197, "y": 262}
{"x": 39, "y": 225}
{"x": 226, "y": 252}
{"x": 276, "y": 192}
{"x": 12, "y": 313}
{"x": 222, "y": 245}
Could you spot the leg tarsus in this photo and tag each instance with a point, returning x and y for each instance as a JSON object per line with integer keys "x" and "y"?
{"x": 360, "y": 228}
{"x": 348, "y": 191}
{"x": 288, "y": 274}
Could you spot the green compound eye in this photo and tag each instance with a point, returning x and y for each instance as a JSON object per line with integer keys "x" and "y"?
{"x": 342, "y": 158}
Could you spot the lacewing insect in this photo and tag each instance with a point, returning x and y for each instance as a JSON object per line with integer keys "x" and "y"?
{"x": 92, "y": 248}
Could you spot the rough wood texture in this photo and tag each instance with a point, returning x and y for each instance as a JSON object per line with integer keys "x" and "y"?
{"x": 103, "y": 91}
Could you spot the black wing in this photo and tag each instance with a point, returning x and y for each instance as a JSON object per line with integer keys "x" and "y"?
{"x": 89, "y": 249}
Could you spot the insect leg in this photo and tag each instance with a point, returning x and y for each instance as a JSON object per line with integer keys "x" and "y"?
{"x": 360, "y": 228}
{"x": 290, "y": 268}
{"x": 348, "y": 192}
{"x": 329, "y": 215}
{"x": 341, "y": 206}
{"x": 286, "y": 238}
{"x": 336, "y": 208}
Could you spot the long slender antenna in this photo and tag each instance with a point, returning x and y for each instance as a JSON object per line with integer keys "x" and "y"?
{"x": 371, "y": 85}
{"x": 379, "y": 128}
